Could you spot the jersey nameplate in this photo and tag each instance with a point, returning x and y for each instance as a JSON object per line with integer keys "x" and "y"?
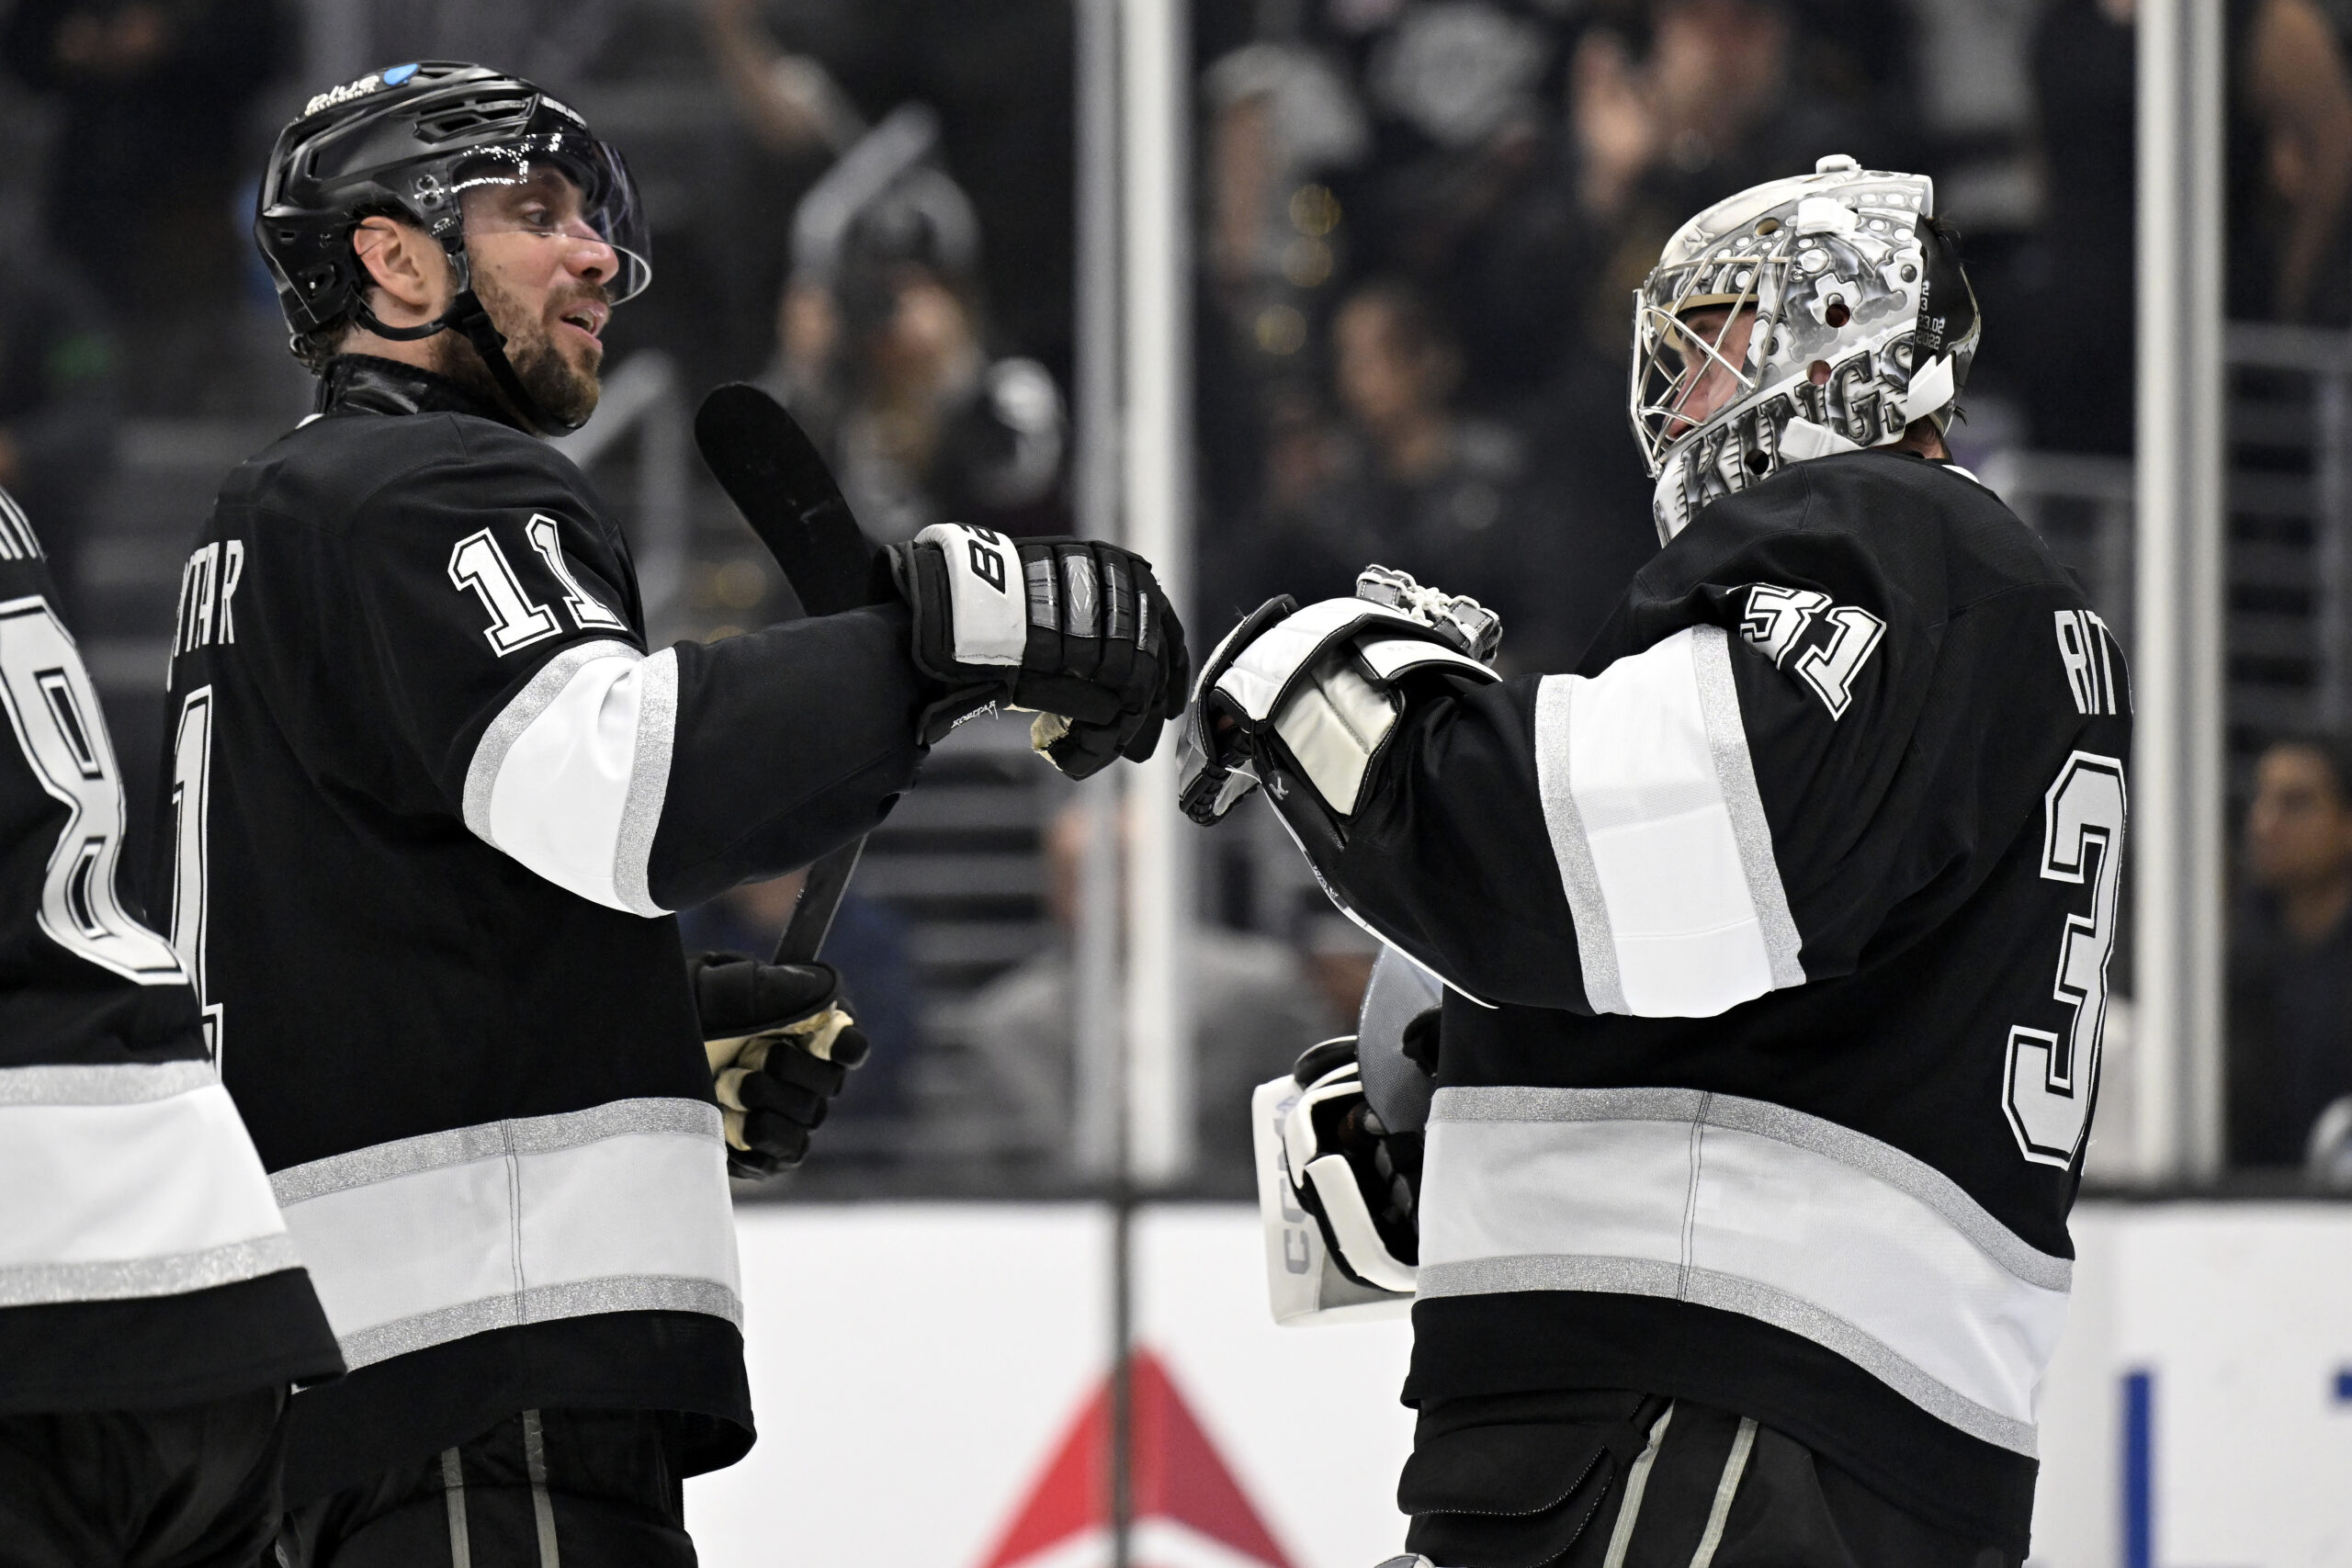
{"x": 209, "y": 580}
{"x": 1830, "y": 642}
{"x": 2084, "y": 653}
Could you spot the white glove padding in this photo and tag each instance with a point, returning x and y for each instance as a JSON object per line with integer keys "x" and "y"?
{"x": 1312, "y": 692}
{"x": 1360, "y": 1181}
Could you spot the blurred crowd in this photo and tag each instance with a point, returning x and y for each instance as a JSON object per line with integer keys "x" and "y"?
{"x": 1420, "y": 225}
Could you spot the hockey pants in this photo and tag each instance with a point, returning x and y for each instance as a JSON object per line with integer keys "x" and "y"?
{"x": 194, "y": 1487}
{"x": 1596, "y": 1479}
{"x": 543, "y": 1489}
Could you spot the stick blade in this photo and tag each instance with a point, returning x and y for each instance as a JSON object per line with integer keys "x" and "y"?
{"x": 779, "y": 482}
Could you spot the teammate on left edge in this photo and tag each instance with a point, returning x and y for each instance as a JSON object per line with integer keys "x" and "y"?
{"x": 152, "y": 1313}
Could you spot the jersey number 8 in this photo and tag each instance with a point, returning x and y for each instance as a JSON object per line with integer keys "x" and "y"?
{"x": 54, "y": 713}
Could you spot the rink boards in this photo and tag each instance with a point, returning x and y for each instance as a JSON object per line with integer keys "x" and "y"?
{"x": 918, "y": 1368}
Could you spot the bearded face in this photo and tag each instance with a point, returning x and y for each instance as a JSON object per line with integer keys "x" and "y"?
{"x": 562, "y": 378}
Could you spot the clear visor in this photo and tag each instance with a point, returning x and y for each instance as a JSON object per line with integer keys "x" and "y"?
{"x": 567, "y": 189}
{"x": 1692, "y": 358}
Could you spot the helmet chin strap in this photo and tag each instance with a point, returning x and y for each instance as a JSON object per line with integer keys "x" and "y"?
{"x": 469, "y": 320}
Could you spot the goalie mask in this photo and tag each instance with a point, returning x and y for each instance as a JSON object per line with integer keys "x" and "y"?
{"x": 1799, "y": 318}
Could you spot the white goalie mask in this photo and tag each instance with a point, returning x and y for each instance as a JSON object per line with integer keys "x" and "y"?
{"x": 1862, "y": 322}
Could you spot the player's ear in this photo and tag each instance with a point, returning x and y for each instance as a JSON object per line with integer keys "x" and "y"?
{"x": 405, "y": 262}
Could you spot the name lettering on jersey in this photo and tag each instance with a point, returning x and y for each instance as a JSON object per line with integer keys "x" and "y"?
{"x": 1830, "y": 643}
{"x": 2086, "y": 653}
{"x": 208, "y": 607}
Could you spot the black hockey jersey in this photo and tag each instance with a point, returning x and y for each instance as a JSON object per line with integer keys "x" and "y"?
{"x": 1788, "y": 919}
{"x": 142, "y": 1262}
{"x": 432, "y": 799}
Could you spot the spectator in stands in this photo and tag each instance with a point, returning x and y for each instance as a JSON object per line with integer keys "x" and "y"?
{"x": 1411, "y": 481}
{"x": 2291, "y": 971}
{"x": 57, "y": 400}
{"x": 1413, "y": 137}
{"x": 881, "y": 355}
{"x": 1000, "y": 79}
{"x": 1255, "y": 1008}
{"x": 1520, "y": 161}
{"x": 141, "y": 175}
{"x": 1721, "y": 99}
{"x": 2287, "y": 173}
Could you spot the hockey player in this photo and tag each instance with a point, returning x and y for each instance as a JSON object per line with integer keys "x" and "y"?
{"x": 1775, "y": 939}
{"x": 433, "y": 798}
{"x": 152, "y": 1310}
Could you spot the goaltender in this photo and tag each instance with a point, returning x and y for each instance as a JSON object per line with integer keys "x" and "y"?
{"x": 433, "y": 798}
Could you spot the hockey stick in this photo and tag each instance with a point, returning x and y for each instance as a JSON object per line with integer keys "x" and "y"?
{"x": 772, "y": 473}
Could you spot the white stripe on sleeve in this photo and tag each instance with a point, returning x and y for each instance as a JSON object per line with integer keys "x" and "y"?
{"x": 570, "y": 777}
{"x": 1650, "y": 800}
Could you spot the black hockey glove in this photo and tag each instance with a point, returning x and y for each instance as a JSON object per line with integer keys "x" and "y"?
{"x": 1077, "y": 630}
{"x": 780, "y": 1044}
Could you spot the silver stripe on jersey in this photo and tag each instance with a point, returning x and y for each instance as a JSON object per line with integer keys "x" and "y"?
{"x": 620, "y": 1208}
{"x": 38, "y": 1284}
{"x": 461, "y": 1145}
{"x": 1728, "y": 1293}
{"x": 1882, "y": 1161}
{"x": 1555, "y": 762}
{"x": 1727, "y": 736}
{"x": 544, "y": 1303}
{"x": 122, "y": 1083}
{"x": 1753, "y": 1208}
{"x": 481, "y": 774}
{"x": 649, "y": 782}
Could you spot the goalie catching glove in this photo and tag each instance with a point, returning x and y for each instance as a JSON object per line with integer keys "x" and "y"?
{"x": 1312, "y": 696}
{"x": 780, "y": 1045}
{"x": 1077, "y": 630}
{"x": 1360, "y": 1180}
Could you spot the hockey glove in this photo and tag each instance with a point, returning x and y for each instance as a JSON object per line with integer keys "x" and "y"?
{"x": 1361, "y": 1181}
{"x": 1076, "y": 630}
{"x": 1314, "y": 693}
{"x": 780, "y": 1045}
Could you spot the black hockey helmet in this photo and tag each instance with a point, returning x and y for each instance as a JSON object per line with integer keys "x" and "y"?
{"x": 407, "y": 141}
